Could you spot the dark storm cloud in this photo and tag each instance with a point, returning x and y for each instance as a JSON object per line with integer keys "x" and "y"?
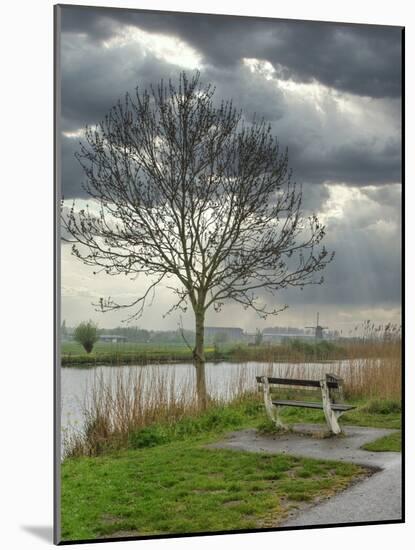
{"x": 71, "y": 172}
{"x": 363, "y": 60}
{"x": 94, "y": 78}
{"x": 356, "y": 59}
{"x": 357, "y": 163}
{"x": 319, "y": 150}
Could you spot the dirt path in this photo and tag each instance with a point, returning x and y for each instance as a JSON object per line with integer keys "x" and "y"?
{"x": 377, "y": 498}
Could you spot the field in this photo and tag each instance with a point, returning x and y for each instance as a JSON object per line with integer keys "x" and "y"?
{"x": 105, "y": 353}
{"x": 126, "y": 353}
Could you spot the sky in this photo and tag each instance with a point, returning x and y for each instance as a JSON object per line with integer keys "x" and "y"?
{"x": 332, "y": 93}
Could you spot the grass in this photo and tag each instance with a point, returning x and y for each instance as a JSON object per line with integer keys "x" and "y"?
{"x": 389, "y": 443}
{"x": 111, "y": 426}
{"x": 182, "y": 487}
{"x": 363, "y": 415}
{"x": 376, "y": 413}
{"x": 244, "y": 412}
{"x": 142, "y": 467}
{"x": 164, "y": 480}
{"x": 357, "y": 417}
{"x": 105, "y": 353}
{"x": 360, "y": 416}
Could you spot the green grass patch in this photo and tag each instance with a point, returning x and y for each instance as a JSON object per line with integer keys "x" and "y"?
{"x": 167, "y": 481}
{"x": 182, "y": 487}
{"x": 356, "y": 417}
{"x": 389, "y": 443}
{"x": 214, "y": 421}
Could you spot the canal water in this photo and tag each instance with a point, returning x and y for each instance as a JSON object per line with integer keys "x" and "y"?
{"x": 224, "y": 380}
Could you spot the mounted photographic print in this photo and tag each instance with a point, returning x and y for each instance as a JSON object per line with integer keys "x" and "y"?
{"x": 228, "y": 274}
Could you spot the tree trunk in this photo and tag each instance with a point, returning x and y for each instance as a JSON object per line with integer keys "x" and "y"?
{"x": 199, "y": 359}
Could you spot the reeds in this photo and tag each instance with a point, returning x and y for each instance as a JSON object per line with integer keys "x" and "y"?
{"x": 122, "y": 403}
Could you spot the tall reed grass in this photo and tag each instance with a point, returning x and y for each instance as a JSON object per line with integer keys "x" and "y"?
{"x": 122, "y": 403}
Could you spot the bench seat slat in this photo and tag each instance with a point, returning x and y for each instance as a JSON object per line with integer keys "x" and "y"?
{"x": 312, "y": 405}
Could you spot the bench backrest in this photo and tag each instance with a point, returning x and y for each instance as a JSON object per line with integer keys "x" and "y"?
{"x": 332, "y": 382}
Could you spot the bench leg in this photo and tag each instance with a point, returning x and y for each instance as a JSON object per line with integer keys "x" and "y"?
{"x": 331, "y": 416}
{"x": 277, "y": 419}
{"x": 272, "y": 411}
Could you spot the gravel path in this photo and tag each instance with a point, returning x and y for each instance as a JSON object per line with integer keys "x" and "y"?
{"x": 376, "y": 498}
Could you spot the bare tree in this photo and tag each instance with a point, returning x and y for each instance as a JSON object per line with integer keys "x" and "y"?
{"x": 192, "y": 196}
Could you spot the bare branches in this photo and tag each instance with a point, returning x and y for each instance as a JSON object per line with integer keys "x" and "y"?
{"x": 138, "y": 304}
{"x": 186, "y": 190}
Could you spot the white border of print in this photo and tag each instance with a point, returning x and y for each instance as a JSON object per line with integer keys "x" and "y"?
{"x": 27, "y": 272}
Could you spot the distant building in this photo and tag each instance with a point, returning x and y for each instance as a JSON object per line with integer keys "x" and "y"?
{"x": 112, "y": 338}
{"x": 231, "y": 333}
{"x": 281, "y": 336}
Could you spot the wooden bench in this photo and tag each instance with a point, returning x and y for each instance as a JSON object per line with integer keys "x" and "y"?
{"x": 331, "y": 387}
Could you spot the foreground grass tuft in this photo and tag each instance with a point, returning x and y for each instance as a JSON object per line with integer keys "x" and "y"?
{"x": 389, "y": 443}
{"x": 216, "y": 420}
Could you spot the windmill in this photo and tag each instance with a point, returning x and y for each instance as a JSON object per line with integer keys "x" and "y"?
{"x": 318, "y": 330}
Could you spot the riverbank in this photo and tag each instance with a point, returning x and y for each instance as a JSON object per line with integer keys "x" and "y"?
{"x": 295, "y": 351}
{"x": 139, "y": 465}
{"x": 130, "y": 354}
{"x": 165, "y": 480}
{"x": 110, "y": 402}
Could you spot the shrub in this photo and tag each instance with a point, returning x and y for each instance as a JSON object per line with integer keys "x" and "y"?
{"x": 150, "y": 436}
{"x": 86, "y": 334}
